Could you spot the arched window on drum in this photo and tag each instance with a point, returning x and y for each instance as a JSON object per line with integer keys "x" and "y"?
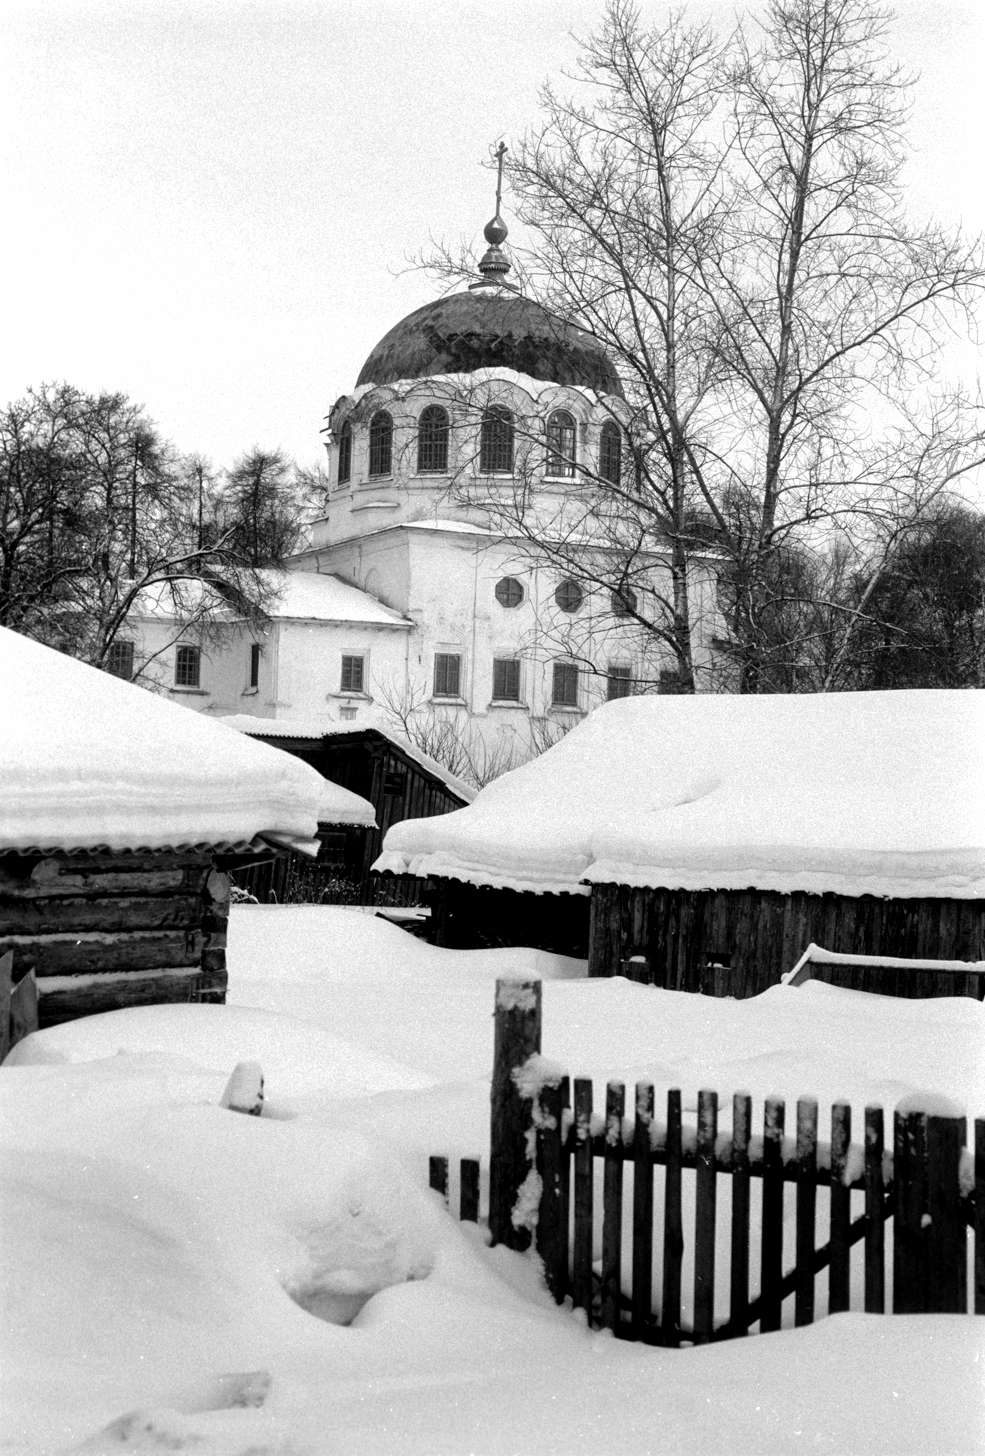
{"x": 381, "y": 444}
{"x": 496, "y": 441}
{"x": 561, "y": 445}
{"x": 432, "y": 441}
{"x": 610, "y": 452}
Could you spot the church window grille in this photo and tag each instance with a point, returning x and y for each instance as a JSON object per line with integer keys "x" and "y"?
{"x": 496, "y": 441}
{"x": 187, "y": 667}
{"x": 119, "y": 659}
{"x": 447, "y": 675}
{"x": 432, "y": 440}
{"x": 352, "y": 674}
{"x": 561, "y": 445}
{"x": 569, "y": 595}
{"x": 509, "y": 592}
{"x": 506, "y": 679}
{"x": 610, "y": 453}
{"x": 380, "y": 444}
{"x": 345, "y": 453}
{"x": 619, "y": 681}
{"x": 623, "y": 602}
{"x": 564, "y": 689}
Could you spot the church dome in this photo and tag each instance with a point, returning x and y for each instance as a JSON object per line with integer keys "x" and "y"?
{"x": 489, "y": 328}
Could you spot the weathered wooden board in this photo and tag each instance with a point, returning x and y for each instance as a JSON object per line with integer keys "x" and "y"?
{"x": 32, "y": 877}
{"x": 94, "y": 952}
{"x": 63, "y": 998}
{"x": 62, "y": 914}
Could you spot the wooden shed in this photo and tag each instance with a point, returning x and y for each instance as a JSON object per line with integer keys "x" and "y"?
{"x": 120, "y": 818}
{"x": 395, "y": 777}
{"x": 715, "y": 837}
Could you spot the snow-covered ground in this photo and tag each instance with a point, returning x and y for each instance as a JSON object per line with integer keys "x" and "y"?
{"x": 182, "y": 1278}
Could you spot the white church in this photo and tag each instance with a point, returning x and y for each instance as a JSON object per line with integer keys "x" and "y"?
{"x": 425, "y": 600}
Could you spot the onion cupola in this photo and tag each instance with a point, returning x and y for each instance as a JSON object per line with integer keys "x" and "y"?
{"x": 490, "y": 326}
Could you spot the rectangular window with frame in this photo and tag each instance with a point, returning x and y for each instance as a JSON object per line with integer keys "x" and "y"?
{"x": 564, "y": 689}
{"x": 119, "y": 660}
{"x": 447, "y": 675}
{"x": 187, "y": 667}
{"x": 352, "y": 673}
{"x": 619, "y": 681}
{"x": 254, "y": 664}
{"x": 506, "y": 679}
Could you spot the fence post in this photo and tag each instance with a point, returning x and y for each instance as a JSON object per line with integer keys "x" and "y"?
{"x": 517, "y": 1037}
{"x": 930, "y": 1234}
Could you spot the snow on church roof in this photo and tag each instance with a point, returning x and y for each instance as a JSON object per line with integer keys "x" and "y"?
{"x": 850, "y": 793}
{"x": 310, "y": 596}
{"x": 88, "y": 761}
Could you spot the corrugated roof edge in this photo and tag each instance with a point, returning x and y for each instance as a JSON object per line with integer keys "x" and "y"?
{"x": 202, "y": 846}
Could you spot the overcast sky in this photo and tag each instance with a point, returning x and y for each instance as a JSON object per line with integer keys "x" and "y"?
{"x": 210, "y": 205}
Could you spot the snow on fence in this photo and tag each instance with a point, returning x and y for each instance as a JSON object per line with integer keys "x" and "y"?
{"x": 555, "y": 1165}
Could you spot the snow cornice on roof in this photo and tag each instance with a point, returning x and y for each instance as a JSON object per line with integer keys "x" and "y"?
{"x": 90, "y": 762}
{"x": 851, "y": 793}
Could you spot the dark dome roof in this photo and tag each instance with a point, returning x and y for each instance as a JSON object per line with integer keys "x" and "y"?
{"x": 489, "y": 329}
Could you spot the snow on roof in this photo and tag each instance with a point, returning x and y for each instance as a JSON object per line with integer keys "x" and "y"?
{"x": 316, "y": 728}
{"x": 300, "y": 595}
{"x": 850, "y": 793}
{"x": 88, "y": 761}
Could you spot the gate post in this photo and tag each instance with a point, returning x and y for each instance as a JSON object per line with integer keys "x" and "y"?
{"x": 930, "y": 1236}
{"x": 517, "y": 1037}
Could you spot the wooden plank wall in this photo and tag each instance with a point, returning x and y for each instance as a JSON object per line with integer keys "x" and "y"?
{"x": 109, "y": 930}
{"x": 738, "y": 942}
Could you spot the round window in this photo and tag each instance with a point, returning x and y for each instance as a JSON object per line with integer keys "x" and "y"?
{"x": 569, "y": 596}
{"x": 509, "y": 592}
{"x": 624, "y": 602}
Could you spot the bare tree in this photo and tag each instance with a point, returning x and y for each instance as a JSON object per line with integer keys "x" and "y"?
{"x": 98, "y": 511}
{"x": 726, "y": 216}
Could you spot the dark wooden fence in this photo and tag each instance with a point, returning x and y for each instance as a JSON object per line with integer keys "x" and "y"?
{"x": 926, "y": 1190}
{"x": 294, "y": 879}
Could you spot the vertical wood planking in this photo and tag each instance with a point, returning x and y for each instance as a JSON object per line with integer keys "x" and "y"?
{"x": 979, "y": 1216}
{"x": 739, "y": 1269}
{"x": 438, "y": 1176}
{"x": 517, "y": 1037}
{"x": 841, "y": 1208}
{"x": 581, "y": 1277}
{"x": 615, "y": 1109}
{"x": 910, "y": 1201}
{"x": 642, "y": 1295}
{"x": 704, "y": 1217}
{"x": 806, "y": 1209}
{"x": 947, "y": 1234}
{"x": 875, "y": 1224}
{"x": 552, "y": 1227}
{"x": 771, "y": 1246}
{"x": 673, "y": 1250}
{"x": 468, "y": 1191}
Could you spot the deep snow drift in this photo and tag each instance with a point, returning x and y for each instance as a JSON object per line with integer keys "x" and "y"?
{"x": 179, "y": 1277}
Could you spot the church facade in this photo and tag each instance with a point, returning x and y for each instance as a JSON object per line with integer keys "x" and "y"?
{"x": 463, "y": 473}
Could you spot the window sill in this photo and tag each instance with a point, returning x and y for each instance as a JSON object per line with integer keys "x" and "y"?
{"x": 249, "y": 692}
{"x": 509, "y": 703}
{"x": 446, "y": 701}
{"x": 571, "y": 708}
{"x": 358, "y": 697}
{"x": 190, "y": 692}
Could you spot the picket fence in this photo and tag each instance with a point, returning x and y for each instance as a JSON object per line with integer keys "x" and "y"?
{"x": 927, "y": 1189}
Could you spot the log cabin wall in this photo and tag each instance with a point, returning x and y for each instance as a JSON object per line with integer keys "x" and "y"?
{"x": 105, "y": 930}
{"x": 738, "y": 942}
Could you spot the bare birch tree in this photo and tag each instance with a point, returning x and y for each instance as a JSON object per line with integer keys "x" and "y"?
{"x": 726, "y": 216}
